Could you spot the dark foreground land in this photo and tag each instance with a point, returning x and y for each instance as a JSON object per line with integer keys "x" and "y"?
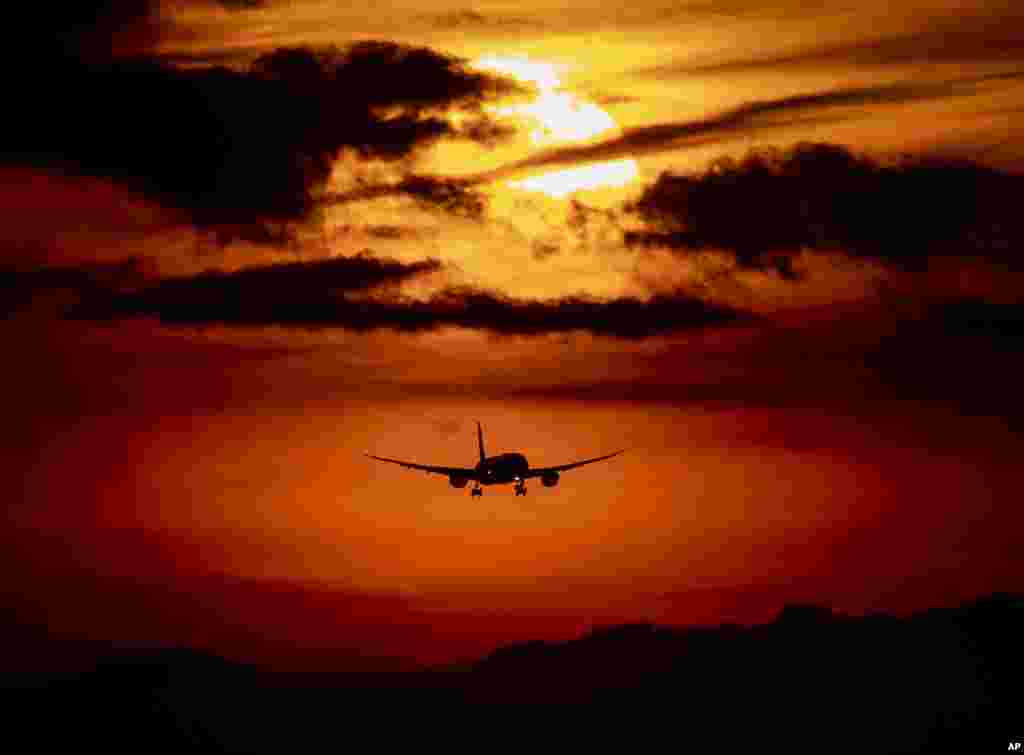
{"x": 943, "y": 680}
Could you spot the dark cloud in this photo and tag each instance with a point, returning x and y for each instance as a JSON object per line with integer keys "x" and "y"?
{"x": 275, "y": 292}
{"x": 95, "y": 290}
{"x": 383, "y": 74}
{"x": 1000, "y": 323}
{"x": 960, "y": 353}
{"x": 238, "y": 150}
{"x": 23, "y": 287}
{"x": 965, "y": 350}
{"x": 314, "y": 296}
{"x": 450, "y": 195}
{"x": 821, "y": 196}
{"x": 747, "y": 119}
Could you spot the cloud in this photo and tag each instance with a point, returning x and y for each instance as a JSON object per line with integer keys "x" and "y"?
{"x": 315, "y": 295}
{"x": 961, "y": 352}
{"x": 968, "y": 350}
{"x": 821, "y": 196}
{"x": 744, "y": 120}
{"x": 275, "y": 291}
{"x": 450, "y": 195}
{"x": 100, "y": 290}
{"x": 243, "y": 152}
{"x": 24, "y": 287}
{"x": 1000, "y": 323}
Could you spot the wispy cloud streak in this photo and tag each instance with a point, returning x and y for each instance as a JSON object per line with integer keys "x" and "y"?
{"x": 752, "y": 117}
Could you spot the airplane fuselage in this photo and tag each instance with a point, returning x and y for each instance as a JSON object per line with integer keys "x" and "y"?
{"x": 504, "y": 468}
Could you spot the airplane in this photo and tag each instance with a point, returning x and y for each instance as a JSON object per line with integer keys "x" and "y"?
{"x": 497, "y": 470}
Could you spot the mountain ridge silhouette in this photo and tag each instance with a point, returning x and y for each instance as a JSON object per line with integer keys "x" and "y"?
{"x": 943, "y": 678}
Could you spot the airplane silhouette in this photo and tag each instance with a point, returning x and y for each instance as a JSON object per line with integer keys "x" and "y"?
{"x": 497, "y": 470}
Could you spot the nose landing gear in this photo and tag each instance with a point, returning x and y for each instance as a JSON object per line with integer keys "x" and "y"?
{"x": 520, "y": 488}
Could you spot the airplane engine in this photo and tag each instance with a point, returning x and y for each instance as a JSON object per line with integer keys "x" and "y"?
{"x": 549, "y": 480}
{"x": 458, "y": 482}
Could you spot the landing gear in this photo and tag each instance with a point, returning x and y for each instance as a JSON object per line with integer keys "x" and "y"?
{"x": 476, "y": 491}
{"x": 520, "y": 488}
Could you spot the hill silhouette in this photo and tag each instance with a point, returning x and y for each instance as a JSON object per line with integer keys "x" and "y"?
{"x": 944, "y": 679}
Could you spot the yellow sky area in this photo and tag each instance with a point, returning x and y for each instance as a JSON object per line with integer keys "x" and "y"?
{"x": 521, "y": 247}
{"x": 557, "y": 116}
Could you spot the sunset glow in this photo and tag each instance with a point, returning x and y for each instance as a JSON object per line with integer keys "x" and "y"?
{"x": 773, "y": 249}
{"x": 559, "y": 117}
{"x": 562, "y": 183}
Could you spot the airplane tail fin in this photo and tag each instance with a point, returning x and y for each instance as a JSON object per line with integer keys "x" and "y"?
{"x": 480, "y": 439}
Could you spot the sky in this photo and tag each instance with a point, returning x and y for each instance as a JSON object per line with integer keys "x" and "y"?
{"x": 770, "y": 248}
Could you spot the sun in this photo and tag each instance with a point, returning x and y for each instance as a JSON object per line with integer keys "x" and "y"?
{"x": 558, "y": 116}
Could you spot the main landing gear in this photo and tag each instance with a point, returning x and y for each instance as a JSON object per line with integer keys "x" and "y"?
{"x": 477, "y": 490}
{"x": 520, "y": 488}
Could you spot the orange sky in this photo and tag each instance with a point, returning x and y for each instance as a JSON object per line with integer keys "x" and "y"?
{"x": 834, "y": 420}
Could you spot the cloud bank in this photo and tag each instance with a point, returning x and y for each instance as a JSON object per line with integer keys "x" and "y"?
{"x": 242, "y": 152}
{"x": 824, "y": 197}
{"x": 320, "y": 295}
{"x": 97, "y": 289}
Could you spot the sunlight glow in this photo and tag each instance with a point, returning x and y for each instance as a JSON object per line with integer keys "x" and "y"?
{"x": 559, "y": 117}
{"x": 562, "y": 183}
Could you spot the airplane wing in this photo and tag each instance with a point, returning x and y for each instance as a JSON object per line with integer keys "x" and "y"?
{"x": 458, "y": 471}
{"x": 563, "y": 467}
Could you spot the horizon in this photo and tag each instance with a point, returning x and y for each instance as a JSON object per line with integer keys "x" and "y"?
{"x": 758, "y": 675}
